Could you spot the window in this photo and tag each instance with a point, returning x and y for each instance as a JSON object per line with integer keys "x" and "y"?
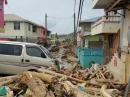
{"x": 16, "y": 25}
{"x": 46, "y": 51}
{"x": 7, "y": 49}
{"x": 35, "y": 51}
{"x": 34, "y": 29}
{"x": 29, "y": 27}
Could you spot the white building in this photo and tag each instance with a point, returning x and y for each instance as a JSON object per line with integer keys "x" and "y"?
{"x": 120, "y": 62}
{"x": 54, "y": 38}
{"x": 20, "y": 29}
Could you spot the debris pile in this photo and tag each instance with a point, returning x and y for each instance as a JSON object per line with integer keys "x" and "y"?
{"x": 95, "y": 72}
{"x": 94, "y": 82}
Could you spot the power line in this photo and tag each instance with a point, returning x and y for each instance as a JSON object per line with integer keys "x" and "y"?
{"x": 80, "y": 3}
{"x": 79, "y": 12}
{"x": 60, "y": 17}
{"x": 75, "y": 22}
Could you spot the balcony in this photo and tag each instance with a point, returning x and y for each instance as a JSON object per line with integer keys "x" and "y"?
{"x": 104, "y": 25}
{"x": 101, "y": 4}
{"x": 85, "y": 34}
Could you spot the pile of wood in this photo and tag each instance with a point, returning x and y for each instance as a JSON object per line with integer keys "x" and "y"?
{"x": 95, "y": 72}
{"x": 97, "y": 78}
{"x": 94, "y": 82}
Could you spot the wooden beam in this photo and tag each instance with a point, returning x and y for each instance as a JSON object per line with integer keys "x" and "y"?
{"x": 113, "y": 5}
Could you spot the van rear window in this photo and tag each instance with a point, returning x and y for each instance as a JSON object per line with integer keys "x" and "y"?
{"x": 7, "y": 49}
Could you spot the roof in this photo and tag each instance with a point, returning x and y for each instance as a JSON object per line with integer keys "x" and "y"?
{"x": 14, "y": 17}
{"x": 92, "y": 20}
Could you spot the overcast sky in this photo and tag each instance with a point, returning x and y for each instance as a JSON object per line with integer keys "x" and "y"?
{"x": 60, "y": 12}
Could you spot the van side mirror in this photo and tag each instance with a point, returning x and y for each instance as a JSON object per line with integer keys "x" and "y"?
{"x": 43, "y": 55}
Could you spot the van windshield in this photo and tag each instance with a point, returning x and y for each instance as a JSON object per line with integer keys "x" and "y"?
{"x": 46, "y": 51}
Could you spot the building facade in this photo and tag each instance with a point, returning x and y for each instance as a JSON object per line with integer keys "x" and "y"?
{"x": 20, "y": 29}
{"x": 119, "y": 64}
{"x": 54, "y": 38}
{"x": 85, "y": 32}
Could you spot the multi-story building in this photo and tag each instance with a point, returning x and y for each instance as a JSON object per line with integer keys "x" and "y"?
{"x": 85, "y": 33}
{"x": 20, "y": 29}
{"x": 120, "y": 39}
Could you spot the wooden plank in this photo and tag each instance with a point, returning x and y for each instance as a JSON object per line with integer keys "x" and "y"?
{"x": 113, "y": 5}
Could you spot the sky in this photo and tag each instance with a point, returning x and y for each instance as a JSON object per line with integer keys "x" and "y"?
{"x": 59, "y": 12}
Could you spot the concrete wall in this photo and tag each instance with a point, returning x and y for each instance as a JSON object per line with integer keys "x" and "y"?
{"x": 124, "y": 43}
{"x": 121, "y": 70}
{"x": 125, "y": 29}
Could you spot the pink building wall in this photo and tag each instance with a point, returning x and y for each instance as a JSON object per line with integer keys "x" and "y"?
{"x": 41, "y": 32}
{"x": 2, "y": 12}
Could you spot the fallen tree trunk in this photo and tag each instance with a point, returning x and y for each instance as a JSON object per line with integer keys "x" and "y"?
{"x": 37, "y": 86}
{"x": 65, "y": 76}
{"x": 44, "y": 77}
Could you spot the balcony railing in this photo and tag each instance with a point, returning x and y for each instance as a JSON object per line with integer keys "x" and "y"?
{"x": 108, "y": 24}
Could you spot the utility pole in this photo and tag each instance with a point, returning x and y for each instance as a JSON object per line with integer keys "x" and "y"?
{"x": 75, "y": 22}
{"x": 46, "y": 24}
{"x": 74, "y": 28}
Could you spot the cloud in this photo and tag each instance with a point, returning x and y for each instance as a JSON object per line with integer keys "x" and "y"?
{"x": 35, "y": 10}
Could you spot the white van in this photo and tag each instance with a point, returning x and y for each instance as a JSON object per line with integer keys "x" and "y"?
{"x": 16, "y": 57}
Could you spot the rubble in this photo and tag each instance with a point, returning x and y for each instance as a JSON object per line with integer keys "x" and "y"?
{"x": 72, "y": 81}
{"x": 93, "y": 82}
{"x": 97, "y": 81}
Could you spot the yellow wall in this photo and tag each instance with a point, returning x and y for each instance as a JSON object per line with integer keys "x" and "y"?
{"x": 117, "y": 67}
